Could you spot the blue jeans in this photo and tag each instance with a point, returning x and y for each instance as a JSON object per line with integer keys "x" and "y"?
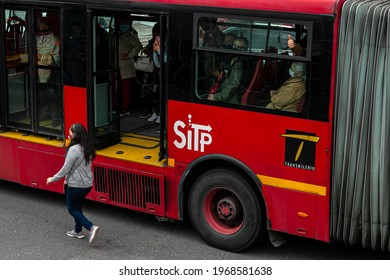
{"x": 74, "y": 199}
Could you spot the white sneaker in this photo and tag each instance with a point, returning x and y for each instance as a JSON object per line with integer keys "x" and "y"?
{"x": 92, "y": 233}
{"x": 75, "y": 234}
{"x": 153, "y": 117}
{"x": 158, "y": 119}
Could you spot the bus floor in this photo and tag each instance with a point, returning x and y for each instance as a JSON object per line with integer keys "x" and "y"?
{"x": 132, "y": 122}
{"x": 140, "y": 141}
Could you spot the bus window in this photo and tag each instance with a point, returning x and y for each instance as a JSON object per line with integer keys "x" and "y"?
{"x": 75, "y": 48}
{"x": 260, "y": 74}
{"x": 104, "y": 85}
{"x": 48, "y": 78}
{"x": 17, "y": 48}
{"x": 225, "y": 68}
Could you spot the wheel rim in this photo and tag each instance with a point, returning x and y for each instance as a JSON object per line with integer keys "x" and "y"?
{"x": 223, "y": 211}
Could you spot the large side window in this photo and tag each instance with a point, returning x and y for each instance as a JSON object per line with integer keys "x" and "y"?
{"x": 48, "y": 62}
{"x": 75, "y": 48}
{"x": 259, "y": 64}
{"x": 33, "y": 70}
{"x": 16, "y": 68}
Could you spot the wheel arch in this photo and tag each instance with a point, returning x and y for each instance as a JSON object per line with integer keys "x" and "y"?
{"x": 205, "y": 163}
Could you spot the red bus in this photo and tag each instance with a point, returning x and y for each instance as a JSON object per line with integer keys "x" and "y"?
{"x": 234, "y": 128}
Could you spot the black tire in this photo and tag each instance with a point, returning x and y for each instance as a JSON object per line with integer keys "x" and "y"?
{"x": 225, "y": 210}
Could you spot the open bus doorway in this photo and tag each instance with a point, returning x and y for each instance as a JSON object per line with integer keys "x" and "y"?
{"x": 144, "y": 113}
{"x": 127, "y": 111}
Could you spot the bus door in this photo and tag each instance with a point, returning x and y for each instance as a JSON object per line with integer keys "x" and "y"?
{"x": 2, "y": 74}
{"x": 47, "y": 72}
{"x": 32, "y": 70}
{"x": 162, "y": 84}
{"x": 103, "y": 84}
{"x": 106, "y": 85}
{"x": 16, "y": 108}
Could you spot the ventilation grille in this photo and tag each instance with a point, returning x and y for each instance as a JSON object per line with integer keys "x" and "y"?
{"x": 130, "y": 189}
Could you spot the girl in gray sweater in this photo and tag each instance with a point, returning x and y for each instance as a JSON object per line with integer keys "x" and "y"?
{"x": 77, "y": 171}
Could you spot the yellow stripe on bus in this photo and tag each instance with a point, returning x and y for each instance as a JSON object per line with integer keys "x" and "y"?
{"x": 292, "y": 185}
{"x": 33, "y": 138}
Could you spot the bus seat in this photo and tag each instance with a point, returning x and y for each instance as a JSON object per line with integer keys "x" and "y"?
{"x": 301, "y": 105}
{"x": 251, "y": 95}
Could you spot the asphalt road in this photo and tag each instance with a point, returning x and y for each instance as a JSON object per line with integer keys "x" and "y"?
{"x": 33, "y": 225}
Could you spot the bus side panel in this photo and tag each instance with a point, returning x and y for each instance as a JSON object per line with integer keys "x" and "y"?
{"x": 297, "y": 213}
{"x": 9, "y": 160}
{"x": 172, "y": 179}
{"x": 75, "y": 106}
{"x": 37, "y": 162}
{"x": 289, "y": 156}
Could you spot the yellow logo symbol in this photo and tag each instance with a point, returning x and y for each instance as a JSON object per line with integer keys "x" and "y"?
{"x": 304, "y": 138}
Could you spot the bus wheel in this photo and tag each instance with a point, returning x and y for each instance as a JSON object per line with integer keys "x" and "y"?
{"x": 225, "y": 210}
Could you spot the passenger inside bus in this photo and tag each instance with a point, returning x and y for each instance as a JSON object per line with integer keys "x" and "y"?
{"x": 229, "y": 41}
{"x": 224, "y": 59}
{"x": 129, "y": 47}
{"x": 290, "y": 96}
{"x": 299, "y": 47}
{"x": 210, "y": 36}
{"x": 272, "y": 75}
{"x": 150, "y": 81}
{"x": 227, "y": 87}
{"x": 213, "y": 36}
{"x": 48, "y": 55}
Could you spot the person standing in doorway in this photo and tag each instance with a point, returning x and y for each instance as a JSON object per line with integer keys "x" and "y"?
{"x": 77, "y": 170}
{"x": 129, "y": 47}
{"x": 151, "y": 100}
{"x": 48, "y": 56}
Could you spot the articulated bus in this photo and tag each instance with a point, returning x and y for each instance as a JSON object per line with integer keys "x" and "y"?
{"x": 273, "y": 120}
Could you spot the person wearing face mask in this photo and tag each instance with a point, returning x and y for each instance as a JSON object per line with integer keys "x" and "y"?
{"x": 129, "y": 47}
{"x": 289, "y": 96}
{"x": 149, "y": 94}
{"x": 48, "y": 56}
{"x": 227, "y": 86}
{"x": 77, "y": 171}
{"x": 225, "y": 59}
